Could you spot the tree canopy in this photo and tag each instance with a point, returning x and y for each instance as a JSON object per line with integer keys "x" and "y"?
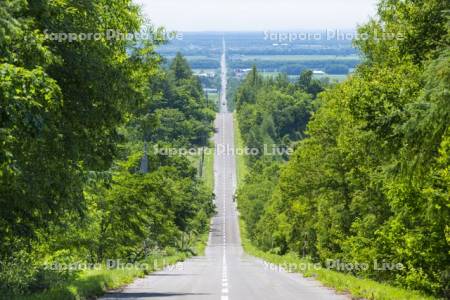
{"x": 370, "y": 182}
{"x": 74, "y": 118}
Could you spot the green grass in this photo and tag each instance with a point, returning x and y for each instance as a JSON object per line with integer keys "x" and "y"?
{"x": 214, "y": 98}
{"x": 93, "y": 283}
{"x": 342, "y": 283}
{"x": 241, "y": 167}
{"x": 208, "y": 169}
{"x": 208, "y": 165}
{"x": 201, "y": 244}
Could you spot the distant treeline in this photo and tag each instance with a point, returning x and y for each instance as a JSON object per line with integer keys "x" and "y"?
{"x": 295, "y": 68}
{"x": 341, "y": 66}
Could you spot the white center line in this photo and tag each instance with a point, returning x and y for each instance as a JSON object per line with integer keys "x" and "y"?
{"x": 223, "y": 136}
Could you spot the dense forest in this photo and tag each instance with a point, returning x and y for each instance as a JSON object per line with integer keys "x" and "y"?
{"x": 272, "y": 113}
{"x": 75, "y": 183}
{"x": 369, "y": 179}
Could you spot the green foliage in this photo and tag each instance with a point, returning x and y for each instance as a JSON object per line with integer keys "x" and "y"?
{"x": 180, "y": 68}
{"x": 31, "y": 111}
{"x": 419, "y": 24}
{"x": 73, "y": 119}
{"x": 144, "y": 212}
{"x": 359, "y": 288}
{"x": 93, "y": 283}
{"x": 271, "y": 113}
{"x": 308, "y": 84}
{"x": 370, "y": 182}
{"x": 255, "y": 193}
{"x": 177, "y": 98}
{"x": 61, "y": 103}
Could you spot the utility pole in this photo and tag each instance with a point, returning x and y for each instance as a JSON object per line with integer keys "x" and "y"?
{"x": 144, "y": 160}
{"x": 305, "y": 243}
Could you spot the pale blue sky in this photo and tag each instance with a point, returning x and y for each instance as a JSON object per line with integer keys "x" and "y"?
{"x": 258, "y": 15}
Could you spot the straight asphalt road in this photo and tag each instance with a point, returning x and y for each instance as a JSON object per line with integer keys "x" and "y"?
{"x": 225, "y": 272}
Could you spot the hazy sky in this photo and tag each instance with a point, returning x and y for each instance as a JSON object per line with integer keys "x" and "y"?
{"x": 259, "y": 15}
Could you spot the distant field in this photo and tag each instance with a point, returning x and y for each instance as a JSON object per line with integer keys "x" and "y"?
{"x": 339, "y": 78}
{"x": 294, "y": 64}
{"x": 295, "y": 57}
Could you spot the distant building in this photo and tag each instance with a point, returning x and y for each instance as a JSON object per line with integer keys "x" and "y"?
{"x": 241, "y": 72}
{"x": 204, "y": 74}
{"x": 318, "y": 72}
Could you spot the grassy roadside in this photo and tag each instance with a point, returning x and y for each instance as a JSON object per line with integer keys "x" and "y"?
{"x": 94, "y": 283}
{"x": 241, "y": 167}
{"x": 207, "y": 172}
{"x": 343, "y": 283}
{"x": 208, "y": 168}
{"x": 201, "y": 244}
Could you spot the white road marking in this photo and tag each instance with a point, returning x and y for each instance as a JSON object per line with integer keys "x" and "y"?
{"x": 223, "y": 136}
